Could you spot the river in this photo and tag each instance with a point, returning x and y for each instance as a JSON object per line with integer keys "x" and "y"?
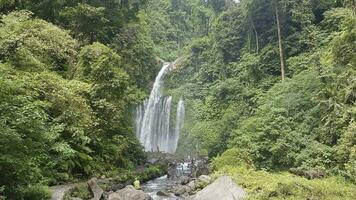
{"x": 164, "y": 183}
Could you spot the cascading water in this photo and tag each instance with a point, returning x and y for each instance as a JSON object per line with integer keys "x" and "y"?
{"x": 153, "y": 118}
{"x": 179, "y": 124}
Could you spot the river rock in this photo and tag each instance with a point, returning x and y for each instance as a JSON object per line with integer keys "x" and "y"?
{"x": 202, "y": 181}
{"x": 184, "y": 180}
{"x": 172, "y": 171}
{"x": 203, "y": 170}
{"x": 129, "y": 193}
{"x": 182, "y": 190}
{"x": 163, "y": 193}
{"x": 153, "y": 161}
{"x": 97, "y": 191}
{"x": 191, "y": 185}
{"x": 309, "y": 173}
{"x": 222, "y": 188}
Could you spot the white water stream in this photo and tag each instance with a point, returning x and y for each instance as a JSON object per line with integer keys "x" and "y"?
{"x": 164, "y": 183}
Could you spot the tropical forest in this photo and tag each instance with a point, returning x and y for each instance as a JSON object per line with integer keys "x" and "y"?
{"x": 177, "y": 99}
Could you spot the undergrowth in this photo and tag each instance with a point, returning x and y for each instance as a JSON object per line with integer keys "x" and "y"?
{"x": 260, "y": 184}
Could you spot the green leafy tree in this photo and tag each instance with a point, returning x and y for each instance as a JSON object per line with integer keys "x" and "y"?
{"x": 25, "y": 134}
{"x": 33, "y": 44}
{"x": 87, "y": 23}
{"x": 110, "y": 98}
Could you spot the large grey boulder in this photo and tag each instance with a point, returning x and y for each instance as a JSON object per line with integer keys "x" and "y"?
{"x": 95, "y": 188}
{"x": 222, "y": 188}
{"x": 59, "y": 191}
{"x": 129, "y": 193}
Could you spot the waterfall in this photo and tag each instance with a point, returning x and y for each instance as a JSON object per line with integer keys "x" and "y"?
{"x": 179, "y": 124}
{"x": 152, "y": 118}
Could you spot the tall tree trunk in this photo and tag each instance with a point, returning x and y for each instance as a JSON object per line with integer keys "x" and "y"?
{"x": 281, "y": 51}
{"x": 249, "y": 41}
{"x": 257, "y": 42}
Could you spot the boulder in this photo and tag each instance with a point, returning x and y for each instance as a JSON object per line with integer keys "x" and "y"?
{"x": 95, "y": 188}
{"x": 172, "y": 171}
{"x": 309, "y": 173}
{"x": 119, "y": 186}
{"x": 202, "y": 181}
{"x": 191, "y": 185}
{"x": 129, "y": 193}
{"x": 153, "y": 161}
{"x": 184, "y": 180}
{"x": 201, "y": 167}
{"x": 163, "y": 193}
{"x": 222, "y": 188}
{"x": 203, "y": 170}
{"x": 59, "y": 191}
{"x": 182, "y": 190}
{"x": 178, "y": 191}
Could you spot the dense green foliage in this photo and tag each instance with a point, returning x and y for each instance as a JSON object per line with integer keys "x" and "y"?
{"x": 231, "y": 81}
{"x": 83, "y": 191}
{"x": 71, "y": 71}
{"x": 261, "y": 184}
{"x": 65, "y": 98}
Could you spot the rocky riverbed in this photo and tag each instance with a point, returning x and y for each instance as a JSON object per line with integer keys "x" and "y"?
{"x": 181, "y": 181}
{"x": 186, "y": 180}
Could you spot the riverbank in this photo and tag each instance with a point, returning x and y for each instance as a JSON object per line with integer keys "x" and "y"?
{"x": 154, "y": 167}
{"x": 163, "y": 177}
{"x": 262, "y": 184}
{"x": 161, "y": 188}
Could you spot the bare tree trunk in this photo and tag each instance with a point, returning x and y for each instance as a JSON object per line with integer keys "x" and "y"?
{"x": 281, "y": 51}
{"x": 249, "y": 41}
{"x": 257, "y": 42}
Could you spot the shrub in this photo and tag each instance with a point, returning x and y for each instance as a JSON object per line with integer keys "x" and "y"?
{"x": 233, "y": 157}
{"x": 152, "y": 172}
{"x": 37, "y": 192}
{"x": 81, "y": 191}
{"x": 260, "y": 184}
